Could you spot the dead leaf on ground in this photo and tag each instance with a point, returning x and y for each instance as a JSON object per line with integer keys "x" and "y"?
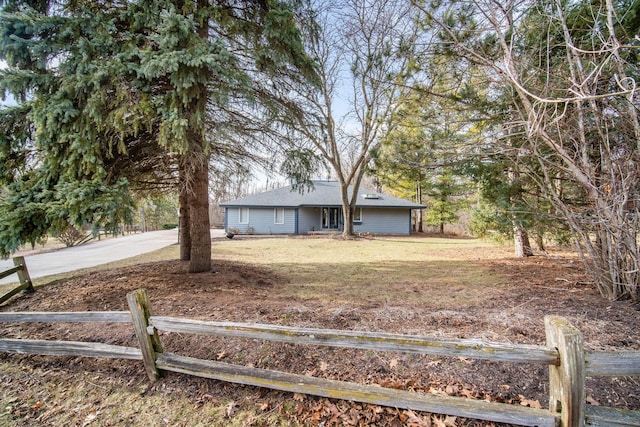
{"x": 592, "y": 401}
{"x": 530, "y": 403}
{"x": 89, "y": 419}
{"x": 414, "y": 420}
{"x": 447, "y": 421}
{"x": 467, "y": 393}
{"x": 230, "y": 409}
{"x": 437, "y": 391}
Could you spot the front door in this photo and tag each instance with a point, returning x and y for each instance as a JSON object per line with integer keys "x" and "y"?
{"x": 331, "y": 218}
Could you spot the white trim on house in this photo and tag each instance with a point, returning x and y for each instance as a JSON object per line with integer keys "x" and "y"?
{"x": 275, "y": 215}
{"x": 243, "y": 219}
{"x": 357, "y": 215}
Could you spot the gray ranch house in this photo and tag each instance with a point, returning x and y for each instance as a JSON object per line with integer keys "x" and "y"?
{"x": 283, "y": 211}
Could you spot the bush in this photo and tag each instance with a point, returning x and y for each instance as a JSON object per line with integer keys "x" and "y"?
{"x": 71, "y": 236}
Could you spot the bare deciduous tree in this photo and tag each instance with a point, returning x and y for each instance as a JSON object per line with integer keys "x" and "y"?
{"x": 572, "y": 69}
{"x": 364, "y": 49}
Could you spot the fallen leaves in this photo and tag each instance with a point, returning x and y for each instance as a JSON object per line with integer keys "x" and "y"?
{"x": 467, "y": 393}
{"x": 326, "y": 412}
{"x": 444, "y": 421}
{"x": 592, "y": 401}
{"x": 465, "y": 360}
{"x": 414, "y": 420}
{"x": 230, "y": 409}
{"x": 530, "y": 403}
{"x": 91, "y": 416}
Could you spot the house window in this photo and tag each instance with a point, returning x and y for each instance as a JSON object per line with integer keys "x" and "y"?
{"x": 331, "y": 218}
{"x": 244, "y": 216}
{"x": 278, "y": 215}
{"x": 357, "y": 215}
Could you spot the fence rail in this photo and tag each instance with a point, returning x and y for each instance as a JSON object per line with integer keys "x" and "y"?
{"x": 362, "y": 340}
{"x": 23, "y": 276}
{"x": 607, "y": 364}
{"x": 67, "y": 316}
{"x": 568, "y": 363}
{"x": 69, "y": 348}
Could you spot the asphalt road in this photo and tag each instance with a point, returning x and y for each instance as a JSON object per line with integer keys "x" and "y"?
{"x": 92, "y": 254}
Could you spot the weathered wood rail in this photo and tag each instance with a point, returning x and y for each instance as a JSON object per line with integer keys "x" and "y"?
{"x": 568, "y": 363}
{"x": 23, "y": 276}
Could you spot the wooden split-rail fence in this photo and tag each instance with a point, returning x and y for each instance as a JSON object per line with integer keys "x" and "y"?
{"x": 568, "y": 363}
{"x": 25, "y": 285}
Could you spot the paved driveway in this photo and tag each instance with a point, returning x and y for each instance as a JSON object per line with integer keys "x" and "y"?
{"x": 94, "y": 253}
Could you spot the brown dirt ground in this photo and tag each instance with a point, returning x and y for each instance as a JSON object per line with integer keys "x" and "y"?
{"x": 540, "y": 285}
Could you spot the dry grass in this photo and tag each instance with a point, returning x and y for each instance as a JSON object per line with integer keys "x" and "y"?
{"x": 369, "y": 270}
{"x": 92, "y": 399}
{"x": 346, "y": 270}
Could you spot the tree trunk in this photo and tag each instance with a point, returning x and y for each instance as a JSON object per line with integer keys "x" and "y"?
{"x": 198, "y": 164}
{"x": 420, "y": 214}
{"x": 184, "y": 232}
{"x": 199, "y": 226}
{"x": 347, "y": 212}
{"x": 348, "y": 222}
{"x": 539, "y": 239}
{"x": 521, "y": 242}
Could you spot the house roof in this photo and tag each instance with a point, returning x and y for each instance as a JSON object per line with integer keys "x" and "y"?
{"x": 324, "y": 193}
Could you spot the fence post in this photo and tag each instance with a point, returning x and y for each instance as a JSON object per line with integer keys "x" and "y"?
{"x": 566, "y": 381}
{"x": 23, "y": 275}
{"x": 140, "y": 308}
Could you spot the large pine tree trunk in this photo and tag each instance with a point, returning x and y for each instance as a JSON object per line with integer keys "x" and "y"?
{"x": 199, "y": 218}
{"x": 521, "y": 242}
{"x": 198, "y": 158}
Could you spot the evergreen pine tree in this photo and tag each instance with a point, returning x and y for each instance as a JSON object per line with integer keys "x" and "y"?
{"x": 99, "y": 82}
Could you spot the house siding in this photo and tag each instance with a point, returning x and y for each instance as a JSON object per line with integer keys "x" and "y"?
{"x": 384, "y": 221}
{"x": 261, "y": 221}
{"x": 309, "y": 220}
